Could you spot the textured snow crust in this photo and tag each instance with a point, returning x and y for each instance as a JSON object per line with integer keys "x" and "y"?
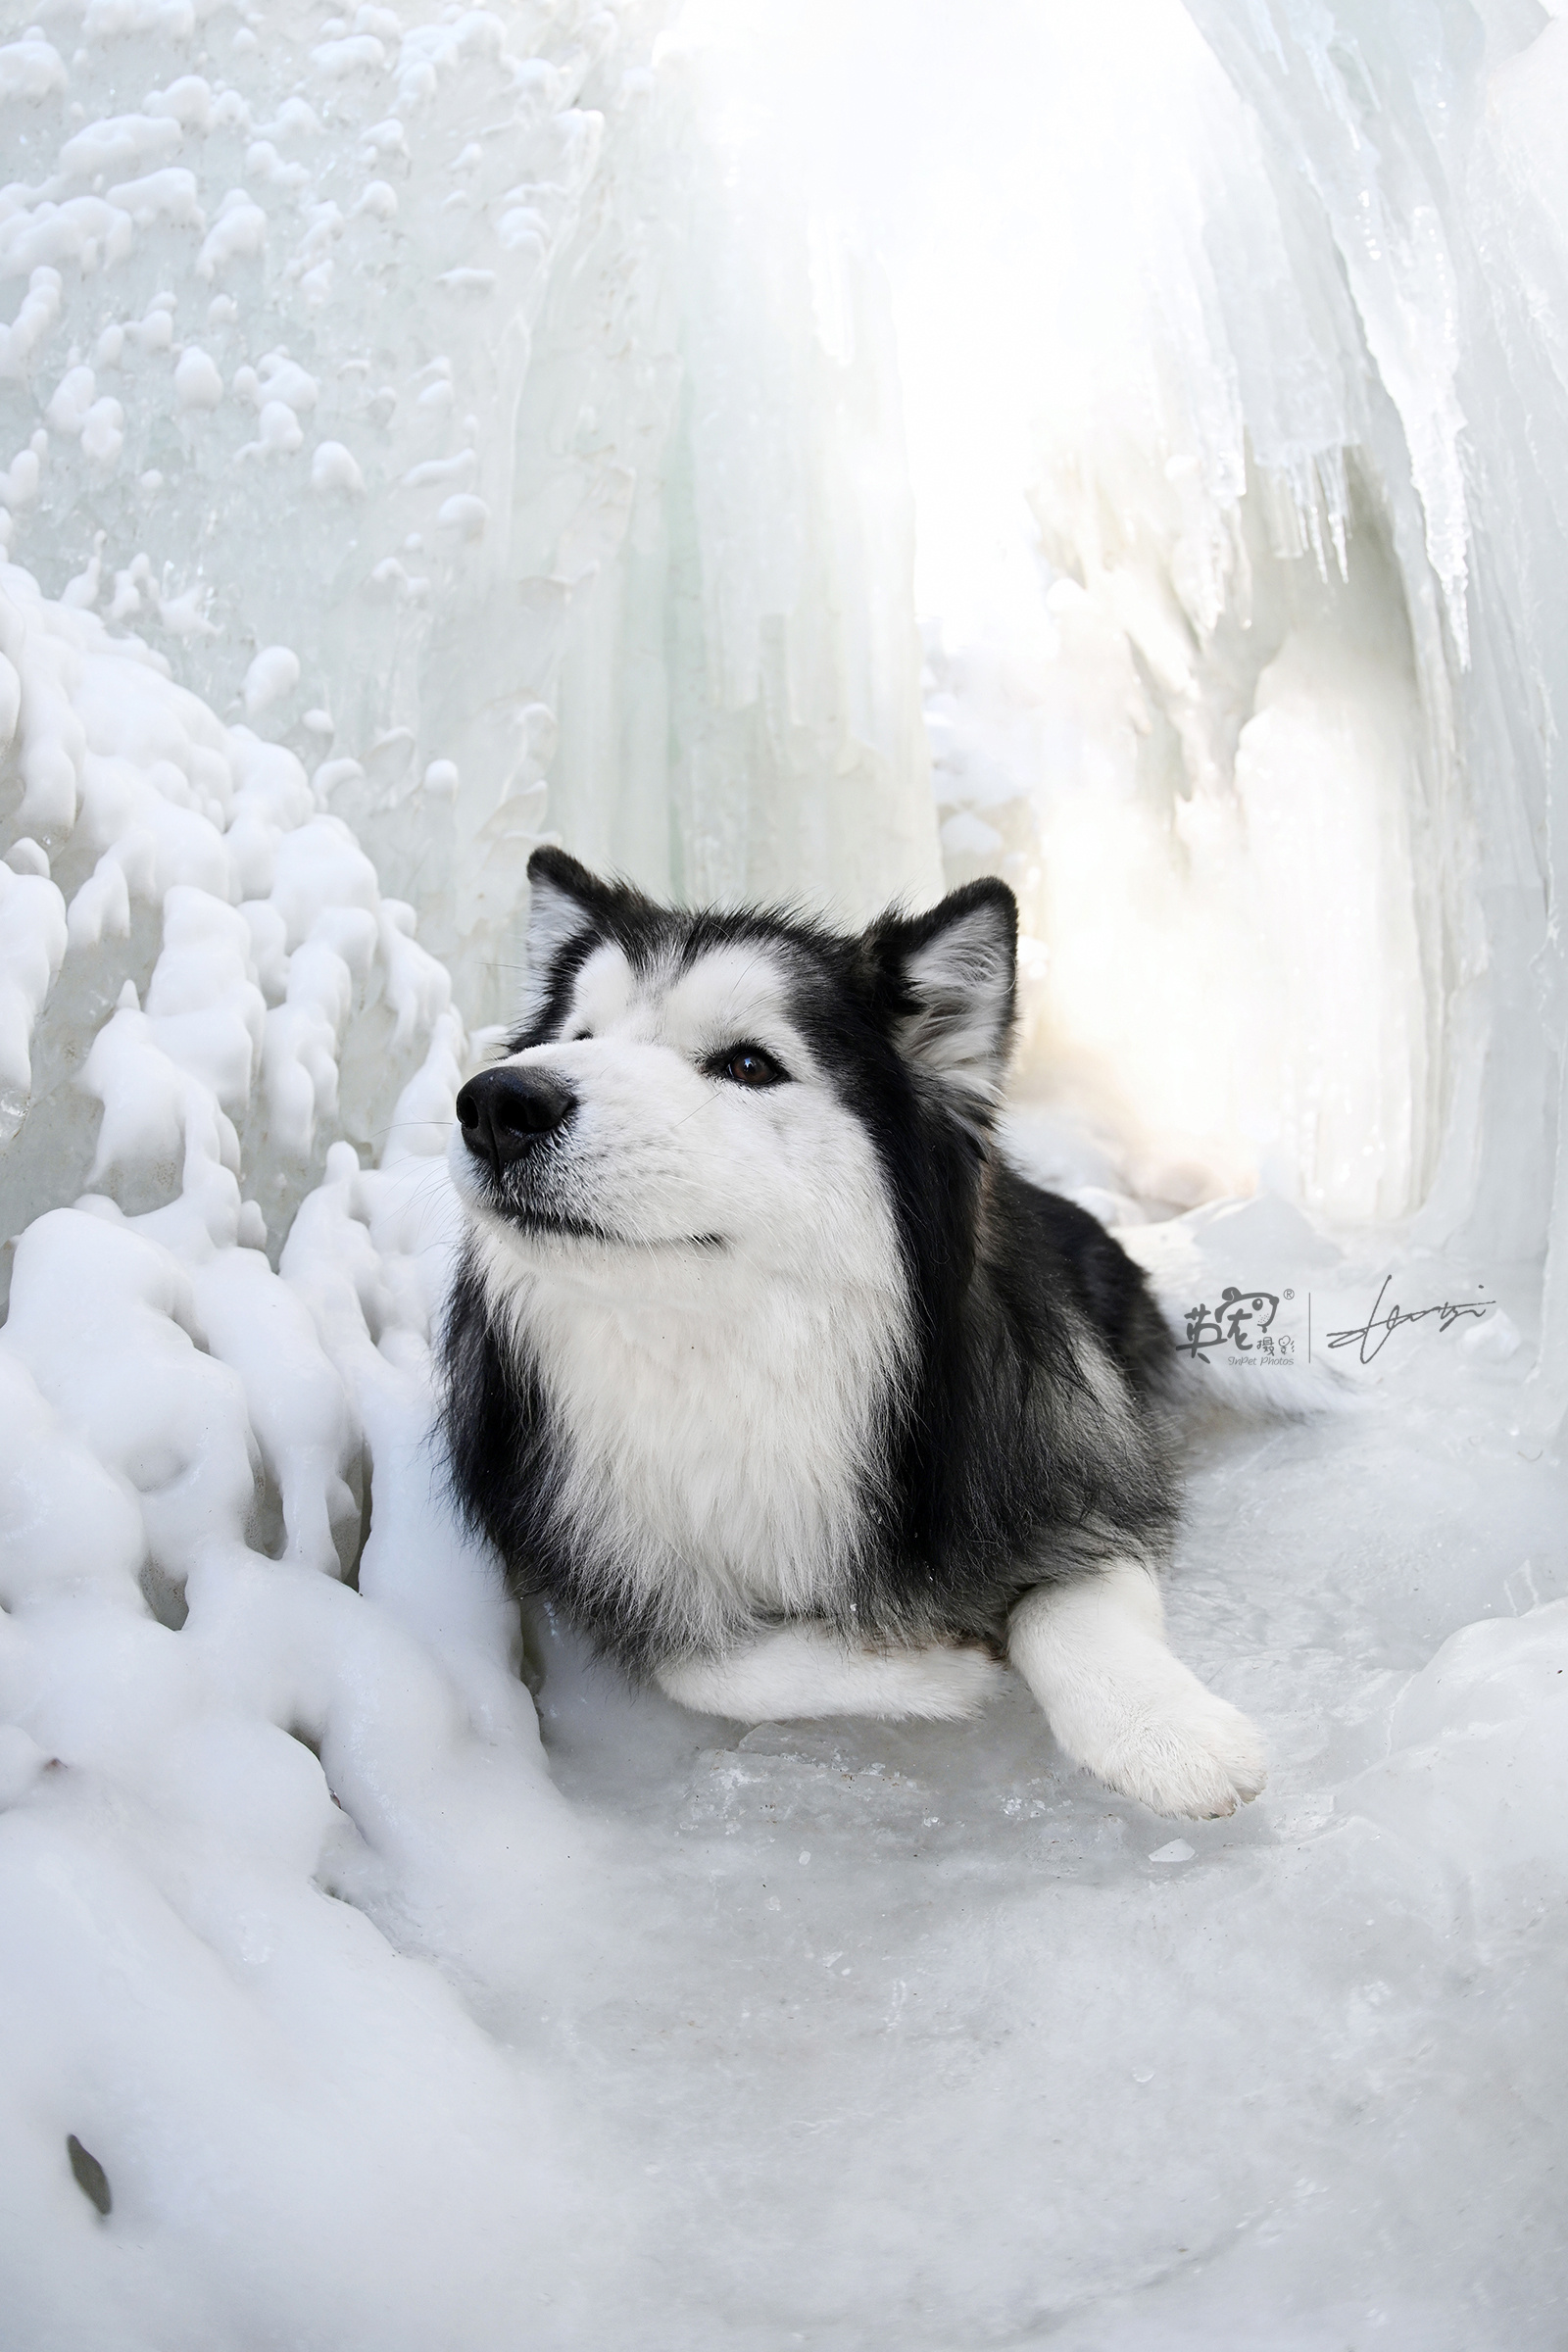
{"x": 419, "y": 429}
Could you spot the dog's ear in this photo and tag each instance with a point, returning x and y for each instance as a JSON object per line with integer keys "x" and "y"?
{"x": 565, "y": 900}
{"x": 948, "y": 981}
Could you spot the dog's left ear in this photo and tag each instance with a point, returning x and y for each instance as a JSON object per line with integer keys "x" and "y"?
{"x": 949, "y": 981}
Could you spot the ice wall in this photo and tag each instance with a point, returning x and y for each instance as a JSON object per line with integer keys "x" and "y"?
{"x": 507, "y": 487}
{"x": 739, "y": 683}
{"x": 1244, "y": 788}
{"x": 274, "y": 412}
{"x": 1343, "y": 717}
{"x": 289, "y": 372}
{"x": 1232, "y": 380}
{"x": 1423, "y": 148}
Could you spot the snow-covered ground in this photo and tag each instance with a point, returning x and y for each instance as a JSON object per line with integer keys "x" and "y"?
{"x": 421, "y": 428}
{"x": 842, "y": 2035}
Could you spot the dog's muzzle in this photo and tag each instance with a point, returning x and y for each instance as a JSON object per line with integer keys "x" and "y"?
{"x": 504, "y": 1114}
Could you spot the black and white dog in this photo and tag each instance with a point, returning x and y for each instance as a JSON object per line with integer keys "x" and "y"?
{"x": 771, "y": 1374}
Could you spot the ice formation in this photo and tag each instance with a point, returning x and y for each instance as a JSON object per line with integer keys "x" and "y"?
{"x": 419, "y": 429}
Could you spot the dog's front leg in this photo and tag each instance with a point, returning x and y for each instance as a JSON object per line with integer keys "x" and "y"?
{"x": 1094, "y": 1655}
{"x": 807, "y": 1669}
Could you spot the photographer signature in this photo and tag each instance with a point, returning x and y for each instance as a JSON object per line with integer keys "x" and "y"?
{"x": 1386, "y": 1324}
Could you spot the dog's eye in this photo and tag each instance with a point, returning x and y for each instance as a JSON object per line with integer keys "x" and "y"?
{"x": 581, "y": 1037}
{"x": 747, "y": 1066}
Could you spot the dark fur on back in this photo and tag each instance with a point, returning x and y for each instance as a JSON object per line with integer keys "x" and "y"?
{"x": 1034, "y": 1437}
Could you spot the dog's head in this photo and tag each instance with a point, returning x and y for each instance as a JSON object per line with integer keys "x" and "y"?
{"x": 743, "y": 1083}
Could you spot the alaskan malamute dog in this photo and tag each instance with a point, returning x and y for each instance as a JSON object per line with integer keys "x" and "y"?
{"x": 766, "y": 1369}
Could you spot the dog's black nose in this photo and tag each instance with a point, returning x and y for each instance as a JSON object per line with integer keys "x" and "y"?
{"x": 504, "y": 1112}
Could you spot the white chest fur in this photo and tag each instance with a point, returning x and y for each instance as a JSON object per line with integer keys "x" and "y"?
{"x": 716, "y": 1350}
{"x": 719, "y": 1424}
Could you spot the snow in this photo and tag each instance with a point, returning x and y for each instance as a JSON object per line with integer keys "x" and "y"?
{"x": 418, "y": 434}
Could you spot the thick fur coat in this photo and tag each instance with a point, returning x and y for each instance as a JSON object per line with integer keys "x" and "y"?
{"x": 770, "y": 1373}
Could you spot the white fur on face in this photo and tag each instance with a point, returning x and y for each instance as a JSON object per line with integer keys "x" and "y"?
{"x": 715, "y": 1366}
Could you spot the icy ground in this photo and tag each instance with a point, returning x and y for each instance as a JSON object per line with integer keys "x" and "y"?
{"x": 421, "y": 425}
{"x": 388, "y": 2030}
{"x": 969, "y": 2054}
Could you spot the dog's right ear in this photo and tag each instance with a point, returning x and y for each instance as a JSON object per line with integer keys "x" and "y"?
{"x": 566, "y": 901}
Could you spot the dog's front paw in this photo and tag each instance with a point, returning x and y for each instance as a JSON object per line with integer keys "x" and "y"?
{"x": 1183, "y": 1752}
{"x": 1119, "y": 1700}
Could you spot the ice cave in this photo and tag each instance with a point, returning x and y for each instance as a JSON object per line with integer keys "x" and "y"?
{"x": 806, "y": 452}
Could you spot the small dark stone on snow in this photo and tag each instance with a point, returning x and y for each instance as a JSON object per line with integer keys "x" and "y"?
{"x": 91, "y": 2178}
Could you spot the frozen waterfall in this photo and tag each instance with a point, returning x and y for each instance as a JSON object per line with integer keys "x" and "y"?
{"x": 793, "y": 451}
